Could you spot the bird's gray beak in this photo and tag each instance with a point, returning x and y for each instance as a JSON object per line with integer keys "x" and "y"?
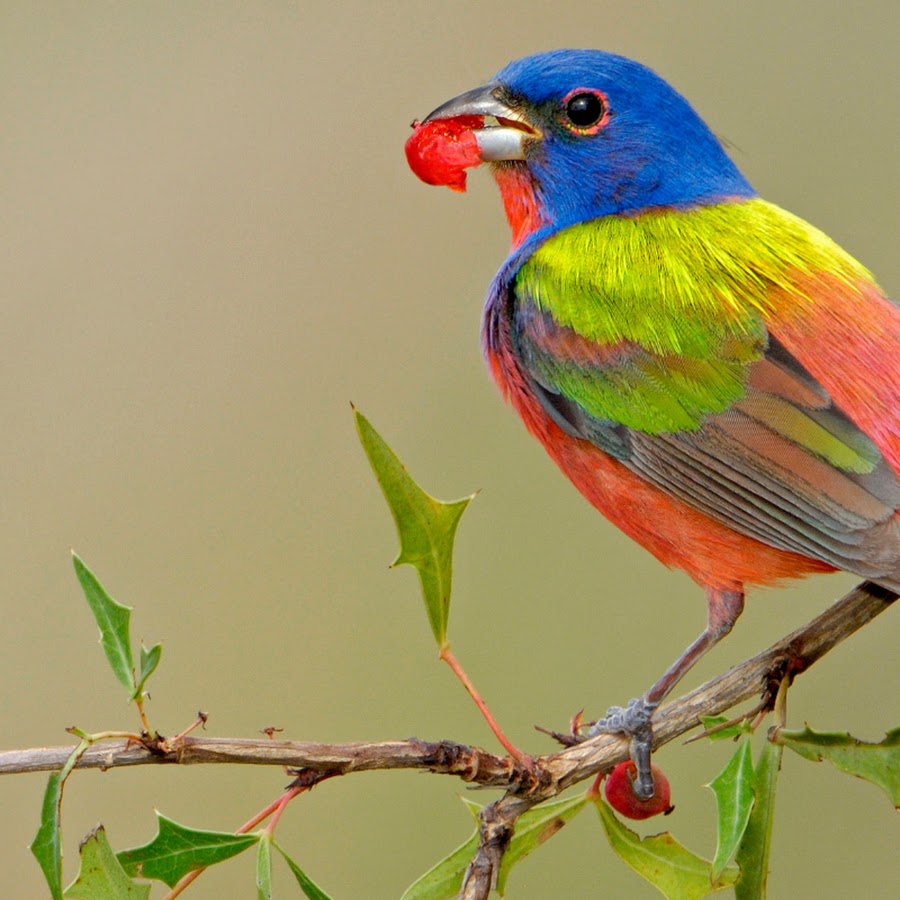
{"x": 504, "y": 140}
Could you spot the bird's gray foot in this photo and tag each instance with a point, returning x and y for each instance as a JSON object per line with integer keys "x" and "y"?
{"x": 633, "y": 720}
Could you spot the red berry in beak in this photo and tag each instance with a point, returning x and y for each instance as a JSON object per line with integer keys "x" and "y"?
{"x": 439, "y": 152}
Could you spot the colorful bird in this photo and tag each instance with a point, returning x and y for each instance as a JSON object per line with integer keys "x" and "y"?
{"x": 716, "y": 376}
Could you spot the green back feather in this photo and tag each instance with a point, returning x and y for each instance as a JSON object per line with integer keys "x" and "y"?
{"x": 683, "y": 295}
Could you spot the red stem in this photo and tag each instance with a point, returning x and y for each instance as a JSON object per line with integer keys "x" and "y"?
{"x": 594, "y": 790}
{"x": 511, "y": 749}
{"x": 282, "y": 805}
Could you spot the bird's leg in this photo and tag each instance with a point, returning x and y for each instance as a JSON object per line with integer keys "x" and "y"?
{"x": 723, "y": 609}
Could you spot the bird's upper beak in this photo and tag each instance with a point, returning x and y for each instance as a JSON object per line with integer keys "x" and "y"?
{"x": 505, "y": 140}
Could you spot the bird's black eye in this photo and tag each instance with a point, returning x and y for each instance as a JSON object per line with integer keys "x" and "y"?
{"x": 584, "y": 109}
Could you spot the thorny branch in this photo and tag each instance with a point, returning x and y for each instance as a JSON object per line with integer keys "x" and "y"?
{"x": 524, "y": 787}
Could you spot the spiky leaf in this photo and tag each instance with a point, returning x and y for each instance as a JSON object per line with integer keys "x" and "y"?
{"x": 733, "y": 787}
{"x": 532, "y": 829}
{"x": 878, "y": 763}
{"x": 177, "y": 850}
{"x": 445, "y": 877}
{"x": 753, "y": 852}
{"x": 426, "y": 526}
{"x": 101, "y": 876}
{"x": 670, "y": 867}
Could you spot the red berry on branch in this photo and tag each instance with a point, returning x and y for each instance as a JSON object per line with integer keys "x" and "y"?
{"x": 619, "y": 791}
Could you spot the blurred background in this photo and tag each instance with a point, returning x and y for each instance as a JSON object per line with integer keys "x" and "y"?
{"x": 211, "y": 244}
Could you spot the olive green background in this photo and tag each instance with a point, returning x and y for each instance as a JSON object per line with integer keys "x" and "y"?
{"x": 210, "y": 245}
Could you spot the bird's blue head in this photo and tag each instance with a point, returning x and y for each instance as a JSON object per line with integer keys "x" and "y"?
{"x": 596, "y": 134}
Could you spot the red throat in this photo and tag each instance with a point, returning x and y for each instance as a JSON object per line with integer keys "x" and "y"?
{"x": 519, "y": 201}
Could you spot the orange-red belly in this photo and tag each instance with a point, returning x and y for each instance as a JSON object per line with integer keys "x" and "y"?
{"x": 675, "y": 533}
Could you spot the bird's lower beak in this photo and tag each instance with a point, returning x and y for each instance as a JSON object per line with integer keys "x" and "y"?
{"x": 505, "y": 140}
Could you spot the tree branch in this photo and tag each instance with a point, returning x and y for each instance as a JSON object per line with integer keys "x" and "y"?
{"x": 548, "y": 776}
{"x": 758, "y": 676}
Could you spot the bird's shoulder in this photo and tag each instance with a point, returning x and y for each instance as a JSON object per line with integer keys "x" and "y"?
{"x": 680, "y": 281}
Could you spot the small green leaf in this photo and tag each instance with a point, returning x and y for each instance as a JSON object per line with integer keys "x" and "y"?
{"x": 101, "y": 876}
{"x": 733, "y": 787}
{"x": 753, "y": 851}
{"x": 46, "y": 844}
{"x": 264, "y": 867}
{"x": 533, "y": 828}
{"x": 732, "y": 731}
{"x": 445, "y": 877}
{"x": 177, "y": 850}
{"x": 310, "y": 888}
{"x": 426, "y": 526}
{"x": 112, "y": 619}
{"x": 149, "y": 662}
{"x": 877, "y": 763}
{"x": 671, "y": 868}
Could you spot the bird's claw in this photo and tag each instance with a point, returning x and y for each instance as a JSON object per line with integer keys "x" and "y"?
{"x": 634, "y": 720}
{"x": 628, "y": 720}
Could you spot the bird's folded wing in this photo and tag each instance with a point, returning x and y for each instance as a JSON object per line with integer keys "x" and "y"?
{"x": 744, "y": 435}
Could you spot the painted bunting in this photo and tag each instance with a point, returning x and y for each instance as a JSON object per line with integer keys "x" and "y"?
{"x": 716, "y": 376}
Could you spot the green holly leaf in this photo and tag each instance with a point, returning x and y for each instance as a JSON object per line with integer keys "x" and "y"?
{"x": 46, "y": 845}
{"x": 445, "y": 877}
{"x": 753, "y": 852}
{"x": 310, "y": 888}
{"x": 733, "y": 787}
{"x": 532, "y": 829}
{"x": 112, "y": 619}
{"x": 426, "y": 526}
{"x": 101, "y": 876}
{"x": 669, "y": 866}
{"x": 177, "y": 850}
{"x": 878, "y": 763}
